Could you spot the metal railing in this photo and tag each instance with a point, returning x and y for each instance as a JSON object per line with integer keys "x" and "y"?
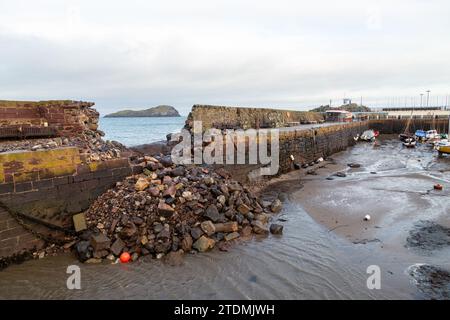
{"x": 25, "y": 132}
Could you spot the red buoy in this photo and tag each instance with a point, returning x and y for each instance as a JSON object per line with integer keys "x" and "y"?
{"x": 125, "y": 257}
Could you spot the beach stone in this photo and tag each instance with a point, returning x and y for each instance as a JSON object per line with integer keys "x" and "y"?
{"x": 276, "y": 228}
{"x": 240, "y": 218}
{"x": 221, "y": 199}
{"x": 82, "y": 250}
{"x": 354, "y": 165}
{"x": 154, "y": 191}
{"x": 129, "y": 231}
{"x": 157, "y": 227}
{"x": 218, "y": 236}
{"x": 163, "y": 247}
{"x": 186, "y": 243}
{"x": 196, "y": 233}
{"x": 212, "y": 213}
{"x": 165, "y": 210}
{"x": 141, "y": 184}
{"x": 170, "y": 192}
{"x": 100, "y": 242}
{"x": 178, "y": 171}
{"x": 243, "y": 208}
{"x": 264, "y": 218}
{"x": 164, "y": 233}
{"x": 174, "y": 258}
{"x": 167, "y": 180}
{"x": 93, "y": 261}
{"x": 259, "y": 227}
{"x": 166, "y": 161}
{"x": 232, "y": 236}
{"x": 117, "y": 247}
{"x": 226, "y": 227}
{"x": 137, "y": 220}
{"x": 79, "y": 222}
{"x": 187, "y": 195}
{"x": 110, "y": 257}
{"x": 246, "y": 231}
{"x": 208, "y": 227}
{"x": 276, "y": 206}
{"x": 340, "y": 174}
{"x": 204, "y": 244}
{"x": 209, "y": 181}
{"x": 144, "y": 240}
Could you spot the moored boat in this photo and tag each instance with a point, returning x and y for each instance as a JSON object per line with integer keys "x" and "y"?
{"x": 444, "y": 149}
{"x": 409, "y": 143}
{"x": 420, "y": 134}
{"x": 431, "y": 134}
{"x": 404, "y": 136}
{"x": 369, "y": 135}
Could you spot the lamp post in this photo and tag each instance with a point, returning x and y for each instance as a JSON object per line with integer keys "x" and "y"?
{"x": 428, "y": 97}
{"x": 421, "y": 98}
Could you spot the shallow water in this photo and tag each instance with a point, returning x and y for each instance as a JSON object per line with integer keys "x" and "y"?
{"x": 307, "y": 262}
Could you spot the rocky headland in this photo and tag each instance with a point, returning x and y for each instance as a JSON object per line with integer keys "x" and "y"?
{"x": 159, "y": 111}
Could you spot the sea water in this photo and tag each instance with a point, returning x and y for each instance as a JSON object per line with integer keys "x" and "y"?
{"x": 136, "y": 131}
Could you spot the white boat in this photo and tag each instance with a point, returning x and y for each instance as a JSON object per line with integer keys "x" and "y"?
{"x": 432, "y": 134}
{"x": 369, "y": 135}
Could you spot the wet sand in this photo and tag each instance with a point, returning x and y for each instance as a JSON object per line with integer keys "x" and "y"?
{"x": 409, "y": 220}
{"x": 394, "y": 185}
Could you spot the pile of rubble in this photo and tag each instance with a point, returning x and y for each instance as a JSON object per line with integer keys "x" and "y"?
{"x": 90, "y": 143}
{"x": 171, "y": 210}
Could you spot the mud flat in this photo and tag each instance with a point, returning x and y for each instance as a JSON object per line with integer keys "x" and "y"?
{"x": 409, "y": 221}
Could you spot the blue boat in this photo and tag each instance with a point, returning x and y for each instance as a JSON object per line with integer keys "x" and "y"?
{"x": 421, "y": 134}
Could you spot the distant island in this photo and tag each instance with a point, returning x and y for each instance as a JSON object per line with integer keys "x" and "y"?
{"x": 159, "y": 111}
{"x": 352, "y": 107}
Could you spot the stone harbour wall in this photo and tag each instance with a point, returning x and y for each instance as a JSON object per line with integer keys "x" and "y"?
{"x": 397, "y": 126}
{"x": 65, "y": 117}
{"x": 307, "y": 145}
{"x": 222, "y": 117}
{"x": 304, "y": 144}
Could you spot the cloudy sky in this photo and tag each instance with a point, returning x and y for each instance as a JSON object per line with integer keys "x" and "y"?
{"x": 135, "y": 54}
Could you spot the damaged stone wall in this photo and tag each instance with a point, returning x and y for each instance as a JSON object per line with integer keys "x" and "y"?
{"x": 222, "y": 117}
{"x": 66, "y": 117}
{"x": 46, "y": 188}
{"x": 44, "y": 181}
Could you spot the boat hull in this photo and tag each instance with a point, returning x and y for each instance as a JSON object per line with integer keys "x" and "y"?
{"x": 444, "y": 149}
